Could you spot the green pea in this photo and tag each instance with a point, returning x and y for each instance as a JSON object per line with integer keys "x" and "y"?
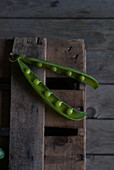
{"x": 39, "y": 64}
{"x": 2, "y": 154}
{"x": 54, "y": 69}
{"x": 47, "y": 93}
{"x": 27, "y": 71}
{"x": 69, "y": 111}
{"x": 36, "y": 81}
{"x": 58, "y": 103}
{"x": 82, "y": 78}
{"x": 69, "y": 73}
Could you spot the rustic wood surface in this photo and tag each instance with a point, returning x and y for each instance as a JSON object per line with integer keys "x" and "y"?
{"x": 65, "y": 152}
{"x": 26, "y": 149}
{"x": 98, "y": 34}
{"x": 100, "y": 64}
{"x": 103, "y": 108}
{"x": 19, "y": 19}
{"x": 66, "y": 52}
{"x": 100, "y": 162}
{"x": 100, "y": 137}
{"x": 78, "y": 9}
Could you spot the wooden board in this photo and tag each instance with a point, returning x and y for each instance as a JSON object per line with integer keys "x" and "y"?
{"x": 100, "y": 162}
{"x": 56, "y": 157}
{"x": 98, "y": 34}
{"x": 100, "y": 64}
{"x": 64, "y": 152}
{"x": 27, "y": 112}
{"x": 100, "y": 137}
{"x": 78, "y": 9}
{"x": 103, "y": 108}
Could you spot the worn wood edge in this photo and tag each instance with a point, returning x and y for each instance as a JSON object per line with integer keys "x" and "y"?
{"x": 32, "y": 41}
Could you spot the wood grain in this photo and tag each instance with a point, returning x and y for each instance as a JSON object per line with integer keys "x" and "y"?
{"x": 78, "y": 9}
{"x": 100, "y": 136}
{"x": 98, "y": 34}
{"x": 27, "y": 112}
{"x": 100, "y": 64}
{"x": 100, "y": 102}
{"x": 66, "y": 52}
{"x": 66, "y": 153}
{"x": 100, "y": 162}
{"x": 57, "y": 157}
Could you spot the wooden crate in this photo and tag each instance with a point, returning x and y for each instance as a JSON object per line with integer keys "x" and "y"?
{"x": 39, "y": 137}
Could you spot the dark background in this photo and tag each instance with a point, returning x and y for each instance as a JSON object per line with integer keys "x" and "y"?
{"x": 94, "y": 22}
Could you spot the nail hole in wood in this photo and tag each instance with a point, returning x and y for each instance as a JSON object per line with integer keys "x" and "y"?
{"x": 69, "y": 49}
{"x": 76, "y": 56}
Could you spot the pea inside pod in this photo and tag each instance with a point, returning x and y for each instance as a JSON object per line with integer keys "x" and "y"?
{"x": 68, "y": 71}
{"x": 58, "y": 105}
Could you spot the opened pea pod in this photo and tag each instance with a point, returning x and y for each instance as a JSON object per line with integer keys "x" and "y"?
{"x": 57, "y": 104}
{"x": 68, "y": 71}
{"x": 43, "y": 90}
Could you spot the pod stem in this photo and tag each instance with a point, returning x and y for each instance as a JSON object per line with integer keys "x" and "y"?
{"x": 15, "y": 57}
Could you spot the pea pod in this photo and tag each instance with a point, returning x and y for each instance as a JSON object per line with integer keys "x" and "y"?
{"x": 68, "y": 71}
{"x": 2, "y": 154}
{"x": 58, "y": 105}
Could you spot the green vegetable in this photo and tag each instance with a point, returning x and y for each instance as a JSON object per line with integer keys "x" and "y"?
{"x": 58, "y": 105}
{"x": 73, "y": 73}
{"x": 39, "y": 64}
{"x": 2, "y": 154}
{"x": 54, "y": 69}
{"x": 69, "y": 111}
{"x": 27, "y": 71}
{"x": 36, "y": 81}
{"x": 47, "y": 93}
{"x": 69, "y": 73}
{"x": 48, "y": 96}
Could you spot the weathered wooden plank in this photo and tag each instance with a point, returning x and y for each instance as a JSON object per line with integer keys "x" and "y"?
{"x": 71, "y": 53}
{"x": 100, "y": 136}
{"x": 78, "y": 9}
{"x": 27, "y": 112}
{"x": 98, "y": 34}
{"x": 100, "y": 162}
{"x": 5, "y": 49}
{"x": 75, "y": 98}
{"x": 65, "y": 152}
{"x": 4, "y": 108}
{"x": 68, "y": 52}
{"x": 100, "y": 102}
{"x": 100, "y": 64}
